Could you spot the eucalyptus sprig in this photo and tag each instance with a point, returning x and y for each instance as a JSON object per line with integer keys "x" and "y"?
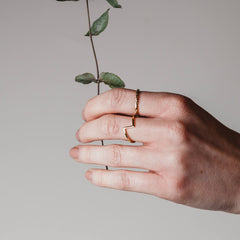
{"x": 98, "y": 26}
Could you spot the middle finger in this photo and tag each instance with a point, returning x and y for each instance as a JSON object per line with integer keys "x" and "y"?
{"x": 110, "y": 127}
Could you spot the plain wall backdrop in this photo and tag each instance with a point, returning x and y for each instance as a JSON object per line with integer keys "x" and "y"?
{"x": 184, "y": 46}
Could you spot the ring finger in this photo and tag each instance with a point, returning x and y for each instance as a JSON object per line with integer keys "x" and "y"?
{"x": 119, "y": 156}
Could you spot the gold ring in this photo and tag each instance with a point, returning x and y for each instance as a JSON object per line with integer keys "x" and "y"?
{"x": 137, "y": 103}
{"x": 133, "y": 118}
{"x": 127, "y": 127}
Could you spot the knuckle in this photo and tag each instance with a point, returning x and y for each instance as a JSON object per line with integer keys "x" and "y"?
{"x": 181, "y": 104}
{"x": 115, "y": 159}
{"x": 180, "y": 161}
{"x": 124, "y": 182}
{"x": 110, "y": 125}
{"x": 181, "y": 189}
{"x": 179, "y": 131}
{"x": 181, "y": 101}
{"x": 116, "y": 97}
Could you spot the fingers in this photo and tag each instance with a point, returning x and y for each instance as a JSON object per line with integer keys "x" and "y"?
{"x": 144, "y": 182}
{"x": 120, "y": 156}
{"x": 110, "y": 127}
{"x": 151, "y": 104}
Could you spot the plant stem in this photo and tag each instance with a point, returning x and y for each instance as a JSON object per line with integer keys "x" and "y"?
{"x": 95, "y": 56}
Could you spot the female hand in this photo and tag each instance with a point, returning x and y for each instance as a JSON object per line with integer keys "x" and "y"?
{"x": 190, "y": 157}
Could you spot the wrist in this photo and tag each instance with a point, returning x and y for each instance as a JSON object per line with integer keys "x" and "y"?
{"x": 234, "y": 161}
{"x": 236, "y": 209}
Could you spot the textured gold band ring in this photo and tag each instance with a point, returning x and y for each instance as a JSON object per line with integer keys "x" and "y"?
{"x": 137, "y": 103}
{"x": 133, "y": 117}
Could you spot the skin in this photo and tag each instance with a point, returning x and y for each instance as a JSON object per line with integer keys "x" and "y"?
{"x": 189, "y": 157}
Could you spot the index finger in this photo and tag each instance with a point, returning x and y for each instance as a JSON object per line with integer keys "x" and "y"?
{"x": 122, "y": 101}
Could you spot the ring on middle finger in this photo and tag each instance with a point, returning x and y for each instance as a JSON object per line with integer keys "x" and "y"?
{"x": 133, "y": 118}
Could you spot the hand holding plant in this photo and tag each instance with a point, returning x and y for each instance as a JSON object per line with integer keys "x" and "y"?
{"x": 189, "y": 157}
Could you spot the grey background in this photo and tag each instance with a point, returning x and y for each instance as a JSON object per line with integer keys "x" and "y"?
{"x": 185, "y": 46}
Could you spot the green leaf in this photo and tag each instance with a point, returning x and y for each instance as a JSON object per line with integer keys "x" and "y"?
{"x": 114, "y": 3}
{"x": 85, "y": 78}
{"x": 112, "y": 80}
{"x": 100, "y": 24}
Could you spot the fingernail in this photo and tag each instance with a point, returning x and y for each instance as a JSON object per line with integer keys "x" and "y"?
{"x": 88, "y": 175}
{"x": 74, "y": 153}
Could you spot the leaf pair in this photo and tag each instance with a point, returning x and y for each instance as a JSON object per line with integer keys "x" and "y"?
{"x": 112, "y": 80}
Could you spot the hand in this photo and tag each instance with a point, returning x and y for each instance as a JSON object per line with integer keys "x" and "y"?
{"x": 190, "y": 157}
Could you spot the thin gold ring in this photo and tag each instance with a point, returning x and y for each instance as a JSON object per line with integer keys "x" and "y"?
{"x": 133, "y": 118}
{"x": 137, "y": 103}
{"x": 128, "y": 127}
